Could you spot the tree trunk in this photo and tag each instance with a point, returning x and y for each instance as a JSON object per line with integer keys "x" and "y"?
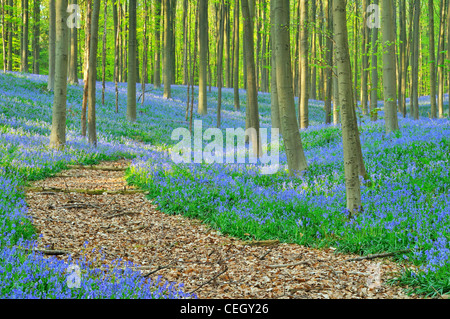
{"x": 86, "y": 67}
{"x": 252, "y": 94}
{"x": 304, "y": 69}
{"x": 236, "y": 57}
{"x": 329, "y": 59}
{"x": 403, "y": 57}
{"x": 167, "y": 68}
{"x": 389, "y": 75}
{"x": 203, "y": 50}
{"x": 283, "y": 72}
{"x": 227, "y": 44}
{"x": 433, "y": 113}
{"x": 313, "y": 92}
{"x": 185, "y": 44}
{"x": 10, "y": 31}
{"x": 92, "y": 78}
{"x": 448, "y": 57}
{"x": 349, "y": 125}
{"x": 274, "y": 107}
{"x": 4, "y": 39}
{"x": 374, "y": 87}
{"x": 105, "y": 20}
{"x": 73, "y": 53}
{"x": 157, "y": 70}
{"x": 144, "y": 79}
{"x": 116, "y": 53}
{"x": 441, "y": 58}
{"x": 131, "y": 87}
{"x": 220, "y": 61}
{"x": 58, "y": 130}
{"x": 415, "y": 63}
{"x": 24, "y": 52}
{"x": 52, "y": 45}
{"x": 365, "y": 60}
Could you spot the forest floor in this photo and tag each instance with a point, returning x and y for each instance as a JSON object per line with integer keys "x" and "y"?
{"x": 210, "y": 264}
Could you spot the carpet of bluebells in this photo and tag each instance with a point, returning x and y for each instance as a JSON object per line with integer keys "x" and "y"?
{"x": 406, "y": 198}
{"x": 25, "y": 117}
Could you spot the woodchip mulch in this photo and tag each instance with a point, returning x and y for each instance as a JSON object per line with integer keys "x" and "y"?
{"x": 182, "y": 250}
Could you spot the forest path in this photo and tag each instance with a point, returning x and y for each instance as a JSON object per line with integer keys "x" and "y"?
{"x": 182, "y": 250}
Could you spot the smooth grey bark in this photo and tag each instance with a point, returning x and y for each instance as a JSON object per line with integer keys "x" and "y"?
{"x": 10, "y": 34}
{"x": 58, "y": 130}
{"x": 329, "y": 59}
{"x": 415, "y": 62}
{"x": 364, "y": 60}
{"x": 86, "y": 68}
{"x": 441, "y": 57}
{"x": 448, "y": 56}
{"x": 203, "y": 52}
{"x": 252, "y": 114}
{"x": 167, "y": 61}
{"x": 349, "y": 125}
{"x": 389, "y": 70}
{"x": 236, "y": 56}
{"x": 220, "y": 61}
{"x": 24, "y": 44}
{"x": 157, "y": 65}
{"x": 116, "y": 53}
{"x": 105, "y": 15}
{"x": 4, "y": 39}
{"x": 52, "y": 45}
{"x": 304, "y": 67}
{"x": 274, "y": 107}
{"x": 73, "y": 67}
{"x": 92, "y": 77}
{"x": 403, "y": 67}
{"x": 432, "y": 50}
{"x": 132, "y": 76}
{"x": 291, "y": 135}
{"x": 374, "y": 77}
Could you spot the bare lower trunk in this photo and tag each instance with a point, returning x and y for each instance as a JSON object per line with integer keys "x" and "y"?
{"x": 281, "y": 49}
{"x": 349, "y": 126}
{"x": 92, "y": 133}
{"x": 58, "y": 130}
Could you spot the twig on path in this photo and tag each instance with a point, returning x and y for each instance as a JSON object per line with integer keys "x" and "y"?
{"x": 84, "y": 191}
{"x": 98, "y": 168}
{"x": 213, "y": 278}
{"x": 291, "y": 264}
{"x": 159, "y": 268}
{"x": 373, "y": 256}
{"x": 46, "y": 251}
{"x": 262, "y": 243}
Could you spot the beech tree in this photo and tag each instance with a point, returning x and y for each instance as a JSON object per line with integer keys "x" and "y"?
{"x": 303, "y": 65}
{"x": 203, "y": 51}
{"x": 52, "y": 45}
{"x": 389, "y": 70}
{"x": 24, "y": 42}
{"x": 58, "y": 130}
{"x": 349, "y": 125}
{"x": 92, "y": 74}
{"x": 291, "y": 136}
{"x": 132, "y": 76}
{"x": 252, "y": 115}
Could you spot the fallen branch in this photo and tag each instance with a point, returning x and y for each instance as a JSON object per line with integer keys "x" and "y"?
{"x": 46, "y": 251}
{"x": 207, "y": 282}
{"x": 49, "y": 190}
{"x": 158, "y": 269}
{"x": 291, "y": 265}
{"x": 98, "y": 168}
{"x": 373, "y": 256}
{"x": 261, "y": 243}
